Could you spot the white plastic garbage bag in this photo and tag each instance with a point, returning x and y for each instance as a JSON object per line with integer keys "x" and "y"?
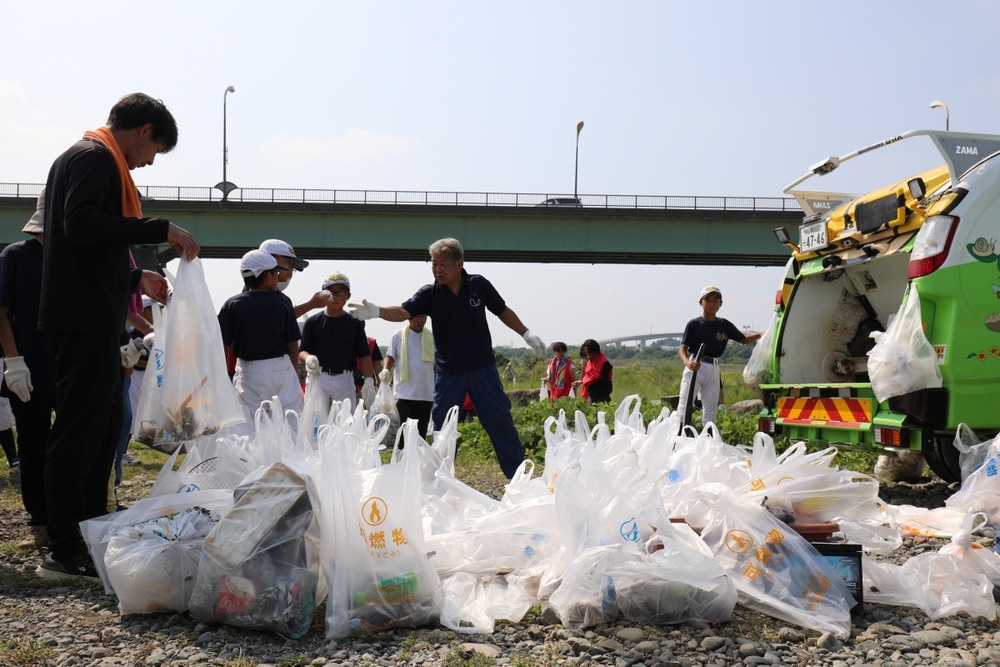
{"x": 758, "y": 368}
{"x": 776, "y": 571}
{"x": 152, "y": 564}
{"x": 97, "y": 532}
{"x": 903, "y": 360}
{"x": 375, "y": 561}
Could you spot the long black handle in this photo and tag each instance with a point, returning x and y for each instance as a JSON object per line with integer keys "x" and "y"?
{"x": 689, "y": 402}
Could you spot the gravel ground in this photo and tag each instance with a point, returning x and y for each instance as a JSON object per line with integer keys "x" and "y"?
{"x": 80, "y": 626}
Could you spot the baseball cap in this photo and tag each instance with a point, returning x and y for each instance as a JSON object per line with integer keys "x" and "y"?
{"x": 705, "y": 291}
{"x": 282, "y": 249}
{"x": 337, "y": 279}
{"x": 146, "y": 302}
{"x": 256, "y": 262}
{"x": 35, "y": 225}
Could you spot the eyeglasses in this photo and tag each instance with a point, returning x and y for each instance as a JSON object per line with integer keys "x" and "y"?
{"x": 280, "y": 268}
{"x": 337, "y": 292}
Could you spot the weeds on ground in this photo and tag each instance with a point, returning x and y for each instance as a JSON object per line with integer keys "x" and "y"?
{"x": 458, "y": 657}
{"x": 293, "y": 660}
{"x": 22, "y": 652}
{"x": 409, "y": 645}
{"x": 240, "y": 661}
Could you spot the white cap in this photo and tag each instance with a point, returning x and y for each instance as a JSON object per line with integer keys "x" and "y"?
{"x": 282, "y": 249}
{"x": 35, "y": 225}
{"x": 256, "y": 262}
{"x": 705, "y": 291}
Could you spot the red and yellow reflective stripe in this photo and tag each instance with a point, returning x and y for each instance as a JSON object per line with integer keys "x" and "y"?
{"x": 846, "y": 411}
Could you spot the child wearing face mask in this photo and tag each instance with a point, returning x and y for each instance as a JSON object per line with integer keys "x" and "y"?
{"x": 259, "y": 328}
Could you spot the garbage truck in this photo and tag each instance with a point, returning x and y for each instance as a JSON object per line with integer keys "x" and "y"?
{"x": 855, "y": 261}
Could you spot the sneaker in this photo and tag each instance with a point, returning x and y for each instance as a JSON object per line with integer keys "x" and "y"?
{"x": 37, "y": 539}
{"x": 81, "y": 569}
{"x": 15, "y": 464}
{"x": 130, "y": 460}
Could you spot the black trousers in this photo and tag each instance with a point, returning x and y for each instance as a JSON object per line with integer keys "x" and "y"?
{"x": 33, "y": 422}
{"x": 84, "y": 436}
{"x": 419, "y": 410}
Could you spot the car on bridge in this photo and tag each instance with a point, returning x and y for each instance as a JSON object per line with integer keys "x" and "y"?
{"x": 561, "y": 201}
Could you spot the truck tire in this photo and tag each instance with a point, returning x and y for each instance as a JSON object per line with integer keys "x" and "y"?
{"x": 942, "y": 458}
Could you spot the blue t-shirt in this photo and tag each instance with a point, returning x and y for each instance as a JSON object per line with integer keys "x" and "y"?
{"x": 713, "y": 334}
{"x": 20, "y": 291}
{"x": 258, "y": 325}
{"x": 461, "y": 334}
{"x": 338, "y": 342}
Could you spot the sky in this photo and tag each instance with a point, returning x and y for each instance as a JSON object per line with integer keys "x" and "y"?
{"x": 709, "y": 98}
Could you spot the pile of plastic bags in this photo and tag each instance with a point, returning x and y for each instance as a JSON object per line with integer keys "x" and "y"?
{"x": 650, "y": 523}
{"x": 655, "y": 523}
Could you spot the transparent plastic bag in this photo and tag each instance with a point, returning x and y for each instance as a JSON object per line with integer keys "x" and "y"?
{"x": 385, "y": 404}
{"x": 152, "y": 564}
{"x": 938, "y": 584}
{"x": 971, "y": 452}
{"x": 211, "y": 462}
{"x": 260, "y": 565}
{"x": 149, "y": 416}
{"x": 903, "y": 360}
{"x": 776, "y": 571}
{"x": 196, "y": 397}
{"x": 97, "y": 532}
{"x": 315, "y": 412}
{"x": 758, "y": 368}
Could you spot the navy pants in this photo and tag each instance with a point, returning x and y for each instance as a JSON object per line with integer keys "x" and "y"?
{"x": 492, "y": 408}
{"x": 84, "y": 436}
{"x": 34, "y": 419}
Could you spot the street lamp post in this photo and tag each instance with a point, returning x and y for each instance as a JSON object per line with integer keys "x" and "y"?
{"x": 576, "y": 164}
{"x": 225, "y": 186}
{"x": 938, "y": 103}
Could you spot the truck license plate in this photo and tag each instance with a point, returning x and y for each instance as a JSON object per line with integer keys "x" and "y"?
{"x": 813, "y": 236}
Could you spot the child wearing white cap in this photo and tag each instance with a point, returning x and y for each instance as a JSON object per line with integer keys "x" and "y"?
{"x": 259, "y": 328}
{"x": 708, "y": 334}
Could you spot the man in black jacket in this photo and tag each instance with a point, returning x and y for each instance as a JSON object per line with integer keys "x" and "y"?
{"x": 92, "y": 216}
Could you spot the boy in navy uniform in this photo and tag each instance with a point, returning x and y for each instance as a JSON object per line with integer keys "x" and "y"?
{"x": 714, "y": 333}
{"x": 259, "y": 328}
{"x": 334, "y": 344}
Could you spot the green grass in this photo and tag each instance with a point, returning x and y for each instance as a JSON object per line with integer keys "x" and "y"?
{"x": 23, "y": 652}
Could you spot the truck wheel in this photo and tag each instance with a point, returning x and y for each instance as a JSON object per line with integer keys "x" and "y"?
{"x": 942, "y": 457}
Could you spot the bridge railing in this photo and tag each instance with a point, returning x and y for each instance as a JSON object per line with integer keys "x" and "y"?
{"x": 438, "y": 198}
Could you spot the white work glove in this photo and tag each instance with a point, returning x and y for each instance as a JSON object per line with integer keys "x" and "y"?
{"x": 368, "y": 392}
{"x": 384, "y": 375}
{"x": 364, "y": 311}
{"x": 312, "y": 365}
{"x": 131, "y": 352}
{"x": 18, "y": 377}
{"x": 534, "y": 342}
{"x": 149, "y": 340}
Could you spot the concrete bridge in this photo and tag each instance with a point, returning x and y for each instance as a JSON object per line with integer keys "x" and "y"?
{"x": 500, "y": 227}
{"x": 642, "y": 339}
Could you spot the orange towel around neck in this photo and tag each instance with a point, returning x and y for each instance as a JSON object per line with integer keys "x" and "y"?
{"x": 131, "y": 206}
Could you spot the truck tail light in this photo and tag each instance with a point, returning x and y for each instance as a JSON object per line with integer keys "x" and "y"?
{"x": 932, "y": 244}
{"x": 766, "y": 425}
{"x": 895, "y": 437}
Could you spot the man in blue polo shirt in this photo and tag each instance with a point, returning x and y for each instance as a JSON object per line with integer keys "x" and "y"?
{"x": 463, "y": 361}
